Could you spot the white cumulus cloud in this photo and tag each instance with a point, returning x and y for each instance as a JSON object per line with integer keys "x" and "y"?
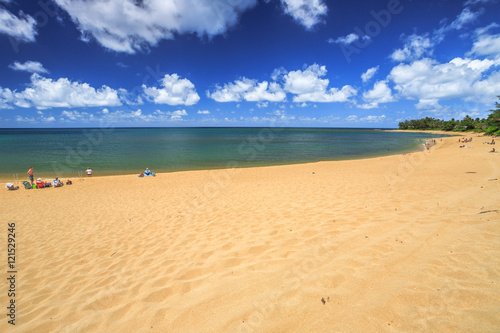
{"x": 129, "y": 26}
{"x": 428, "y": 104}
{"x": 430, "y": 81}
{"x": 174, "y": 91}
{"x": 248, "y": 90}
{"x": 306, "y": 12}
{"x": 44, "y": 93}
{"x": 366, "y": 76}
{"x": 309, "y": 86}
{"x": 381, "y": 93}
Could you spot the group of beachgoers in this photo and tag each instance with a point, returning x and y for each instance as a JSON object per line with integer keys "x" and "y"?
{"x": 467, "y": 140}
{"x": 40, "y": 183}
{"x": 491, "y": 143}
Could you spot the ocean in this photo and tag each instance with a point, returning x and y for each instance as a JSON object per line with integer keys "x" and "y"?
{"x": 113, "y": 151}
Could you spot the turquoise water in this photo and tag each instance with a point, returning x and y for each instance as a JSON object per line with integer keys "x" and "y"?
{"x": 63, "y": 152}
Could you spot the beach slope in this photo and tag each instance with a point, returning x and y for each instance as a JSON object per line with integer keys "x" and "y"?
{"x": 406, "y": 243}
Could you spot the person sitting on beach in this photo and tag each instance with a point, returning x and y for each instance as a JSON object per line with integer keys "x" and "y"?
{"x": 492, "y": 150}
{"x": 69, "y": 182}
{"x": 89, "y": 172}
{"x": 57, "y": 183}
{"x": 11, "y": 187}
{"x": 492, "y": 142}
{"x": 147, "y": 172}
{"x": 40, "y": 183}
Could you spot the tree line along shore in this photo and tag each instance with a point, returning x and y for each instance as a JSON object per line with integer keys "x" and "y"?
{"x": 488, "y": 126}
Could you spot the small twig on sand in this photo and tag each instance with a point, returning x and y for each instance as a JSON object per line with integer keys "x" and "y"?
{"x": 488, "y": 211}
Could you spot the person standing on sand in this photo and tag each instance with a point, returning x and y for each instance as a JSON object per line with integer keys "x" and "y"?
{"x": 89, "y": 172}
{"x": 30, "y": 174}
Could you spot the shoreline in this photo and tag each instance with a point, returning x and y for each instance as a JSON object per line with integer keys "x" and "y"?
{"x": 418, "y": 147}
{"x": 400, "y": 242}
{"x": 450, "y": 133}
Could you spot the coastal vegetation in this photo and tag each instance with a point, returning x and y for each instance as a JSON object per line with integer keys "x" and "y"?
{"x": 489, "y": 125}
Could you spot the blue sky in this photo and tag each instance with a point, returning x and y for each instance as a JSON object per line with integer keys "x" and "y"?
{"x": 311, "y": 63}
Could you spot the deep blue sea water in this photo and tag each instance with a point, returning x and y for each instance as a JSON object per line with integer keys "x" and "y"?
{"x": 63, "y": 152}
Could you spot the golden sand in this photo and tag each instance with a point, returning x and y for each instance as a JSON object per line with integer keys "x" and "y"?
{"x": 406, "y": 243}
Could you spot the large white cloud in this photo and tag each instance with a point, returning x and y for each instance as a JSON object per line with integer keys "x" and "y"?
{"x": 486, "y": 91}
{"x": 381, "y": 93}
{"x": 128, "y": 26}
{"x": 132, "y": 25}
{"x": 430, "y": 81}
{"x": 309, "y": 86}
{"x": 20, "y": 27}
{"x": 174, "y": 91}
{"x": 306, "y": 12}
{"x": 44, "y": 93}
{"x": 248, "y": 90}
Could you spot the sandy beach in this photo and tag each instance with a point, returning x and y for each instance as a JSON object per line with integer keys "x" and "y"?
{"x": 404, "y": 243}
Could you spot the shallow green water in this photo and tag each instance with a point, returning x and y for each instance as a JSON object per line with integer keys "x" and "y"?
{"x": 63, "y": 152}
